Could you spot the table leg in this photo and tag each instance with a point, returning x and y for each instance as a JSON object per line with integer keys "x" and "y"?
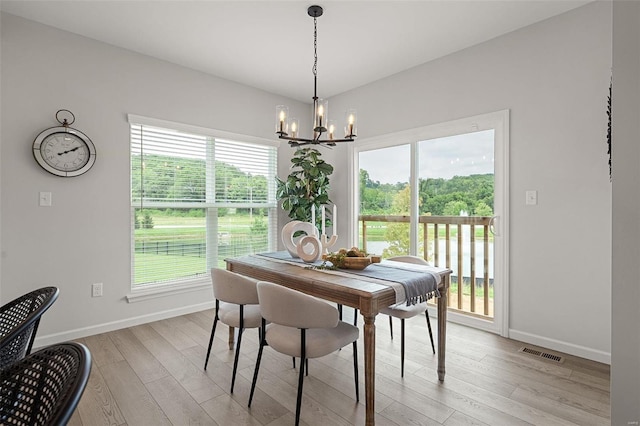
{"x": 442, "y": 331}
{"x": 232, "y": 335}
{"x": 370, "y": 368}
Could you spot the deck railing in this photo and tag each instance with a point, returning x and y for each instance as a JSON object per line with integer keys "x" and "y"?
{"x": 461, "y": 243}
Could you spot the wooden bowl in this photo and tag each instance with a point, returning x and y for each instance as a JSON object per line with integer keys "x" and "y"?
{"x": 356, "y": 262}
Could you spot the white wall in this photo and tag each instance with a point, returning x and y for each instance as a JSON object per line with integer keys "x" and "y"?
{"x": 625, "y": 336}
{"x": 554, "y": 78}
{"x": 84, "y": 237}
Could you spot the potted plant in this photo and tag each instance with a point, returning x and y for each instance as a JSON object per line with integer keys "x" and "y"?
{"x": 307, "y": 185}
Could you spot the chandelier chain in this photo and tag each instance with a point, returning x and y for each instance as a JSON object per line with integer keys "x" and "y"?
{"x": 315, "y": 47}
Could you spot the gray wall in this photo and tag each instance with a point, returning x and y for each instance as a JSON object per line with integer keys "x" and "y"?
{"x": 625, "y": 336}
{"x": 84, "y": 237}
{"x": 553, "y": 76}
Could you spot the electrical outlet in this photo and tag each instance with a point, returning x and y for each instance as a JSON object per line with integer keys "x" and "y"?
{"x": 96, "y": 290}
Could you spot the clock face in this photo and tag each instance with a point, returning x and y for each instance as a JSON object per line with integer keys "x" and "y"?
{"x": 63, "y": 151}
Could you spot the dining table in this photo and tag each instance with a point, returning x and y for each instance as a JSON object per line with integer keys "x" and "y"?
{"x": 348, "y": 288}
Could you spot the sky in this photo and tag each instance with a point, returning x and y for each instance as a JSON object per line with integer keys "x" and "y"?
{"x": 460, "y": 155}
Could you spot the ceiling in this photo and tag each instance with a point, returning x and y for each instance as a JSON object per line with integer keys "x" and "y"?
{"x": 269, "y": 44}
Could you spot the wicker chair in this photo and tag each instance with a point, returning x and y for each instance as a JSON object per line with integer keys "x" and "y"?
{"x": 45, "y": 387}
{"x": 19, "y": 320}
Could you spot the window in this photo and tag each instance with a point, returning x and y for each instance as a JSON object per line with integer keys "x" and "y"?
{"x": 197, "y": 197}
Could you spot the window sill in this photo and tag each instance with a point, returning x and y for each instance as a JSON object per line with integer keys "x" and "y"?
{"x": 155, "y": 292}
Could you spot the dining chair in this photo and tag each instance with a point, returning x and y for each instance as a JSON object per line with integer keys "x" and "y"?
{"x": 301, "y": 326}
{"x": 236, "y": 306}
{"x": 19, "y": 321}
{"x": 44, "y": 388}
{"x": 402, "y": 311}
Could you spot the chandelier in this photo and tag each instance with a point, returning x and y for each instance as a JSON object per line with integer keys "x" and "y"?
{"x": 287, "y": 128}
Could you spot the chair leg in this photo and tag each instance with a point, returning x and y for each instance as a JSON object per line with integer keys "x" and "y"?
{"x": 355, "y": 369}
{"x": 255, "y": 371}
{"x": 391, "y": 326}
{"x": 402, "y": 347}
{"x": 235, "y": 361}
{"x": 426, "y": 313}
{"x": 355, "y": 317}
{"x": 213, "y": 332}
{"x": 303, "y": 358}
{"x": 306, "y": 364}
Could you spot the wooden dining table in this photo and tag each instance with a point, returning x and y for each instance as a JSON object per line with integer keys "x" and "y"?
{"x": 364, "y": 293}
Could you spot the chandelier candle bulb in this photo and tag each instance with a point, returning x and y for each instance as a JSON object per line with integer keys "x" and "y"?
{"x": 321, "y": 112}
{"x": 294, "y": 127}
{"x": 351, "y": 128}
{"x": 282, "y": 113}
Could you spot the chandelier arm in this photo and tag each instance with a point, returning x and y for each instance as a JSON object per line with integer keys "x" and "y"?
{"x": 314, "y": 141}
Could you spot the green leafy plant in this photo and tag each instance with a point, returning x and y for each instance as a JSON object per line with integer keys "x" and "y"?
{"x": 307, "y": 185}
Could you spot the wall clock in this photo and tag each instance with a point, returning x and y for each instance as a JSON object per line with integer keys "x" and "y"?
{"x": 63, "y": 150}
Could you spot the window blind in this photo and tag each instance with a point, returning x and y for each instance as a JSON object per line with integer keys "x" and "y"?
{"x": 197, "y": 199}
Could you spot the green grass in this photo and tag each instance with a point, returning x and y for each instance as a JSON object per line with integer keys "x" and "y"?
{"x": 183, "y": 230}
{"x": 466, "y": 290}
{"x": 155, "y": 267}
{"x": 178, "y": 220}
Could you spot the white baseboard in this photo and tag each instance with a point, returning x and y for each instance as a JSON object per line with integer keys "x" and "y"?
{"x": 78, "y": 333}
{"x": 568, "y": 348}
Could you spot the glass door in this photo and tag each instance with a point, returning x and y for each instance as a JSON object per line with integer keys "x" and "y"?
{"x": 441, "y": 193}
{"x": 456, "y": 180}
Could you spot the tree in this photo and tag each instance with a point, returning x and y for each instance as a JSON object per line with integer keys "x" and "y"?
{"x": 433, "y": 193}
{"x": 455, "y": 208}
{"x": 259, "y": 234}
{"x": 482, "y": 209}
{"x": 397, "y": 234}
{"x": 147, "y": 221}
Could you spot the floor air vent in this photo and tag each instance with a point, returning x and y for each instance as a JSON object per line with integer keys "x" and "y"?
{"x": 545, "y": 355}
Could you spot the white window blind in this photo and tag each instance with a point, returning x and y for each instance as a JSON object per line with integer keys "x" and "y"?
{"x": 197, "y": 199}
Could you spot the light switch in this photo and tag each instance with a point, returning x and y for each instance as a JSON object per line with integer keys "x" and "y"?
{"x": 45, "y": 199}
{"x": 531, "y": 198}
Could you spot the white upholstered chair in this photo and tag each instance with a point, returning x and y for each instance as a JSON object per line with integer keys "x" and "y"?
{"x": 403, "y": 312}
{"x": 236, "y": 306}
{"x": 301, "y": 326}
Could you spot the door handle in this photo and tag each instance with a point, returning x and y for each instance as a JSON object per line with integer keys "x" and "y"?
{"x": 495, "y": 230}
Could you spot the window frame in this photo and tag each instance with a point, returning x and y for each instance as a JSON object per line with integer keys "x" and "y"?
{"x": 189, "y": 284}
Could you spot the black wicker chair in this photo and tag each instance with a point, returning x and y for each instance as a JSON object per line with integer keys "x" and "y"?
{"x": 19, "y": 320}
{"x": 45, "y": 387}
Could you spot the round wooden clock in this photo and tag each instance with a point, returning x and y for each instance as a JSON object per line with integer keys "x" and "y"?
{"x": 63, "y": 150}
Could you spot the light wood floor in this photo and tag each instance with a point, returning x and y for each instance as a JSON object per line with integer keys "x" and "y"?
{"x": 153, "y": 374}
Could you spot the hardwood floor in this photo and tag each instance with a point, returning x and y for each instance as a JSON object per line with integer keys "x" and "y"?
{"x": 153, "y": 374}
